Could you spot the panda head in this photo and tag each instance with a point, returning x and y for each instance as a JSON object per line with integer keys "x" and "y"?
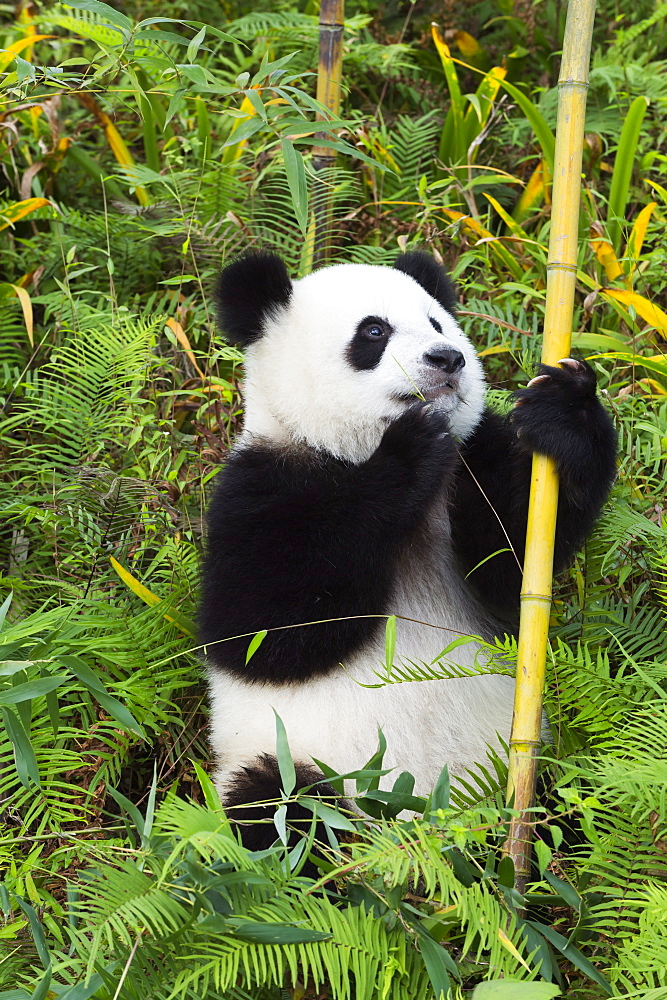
{"x": 332, "y": 358}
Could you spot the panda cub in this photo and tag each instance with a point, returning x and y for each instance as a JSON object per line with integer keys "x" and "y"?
{"x": 370, "y": 479}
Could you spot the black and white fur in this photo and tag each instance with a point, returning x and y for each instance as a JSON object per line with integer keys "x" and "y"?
{"x": 346, "y": 496}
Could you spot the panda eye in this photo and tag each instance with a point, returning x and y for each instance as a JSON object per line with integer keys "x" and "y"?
{"x": 374, "y": 329}
{"x": 435, "y": 324}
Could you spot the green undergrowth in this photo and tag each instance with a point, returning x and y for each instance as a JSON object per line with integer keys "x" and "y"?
{"x": 122, "y": 878}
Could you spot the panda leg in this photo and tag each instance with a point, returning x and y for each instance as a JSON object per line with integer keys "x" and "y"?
{"x": 252, "y": 794}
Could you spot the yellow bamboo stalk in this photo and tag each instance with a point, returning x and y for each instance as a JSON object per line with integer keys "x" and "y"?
{"x": 538, "y": 560}
{"x": 329, "y": 76}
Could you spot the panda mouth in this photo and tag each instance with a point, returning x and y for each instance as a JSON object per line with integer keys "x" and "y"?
{"x": 441, "y": 389}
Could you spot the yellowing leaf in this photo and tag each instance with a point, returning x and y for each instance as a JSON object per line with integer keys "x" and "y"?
{"x": 26, "y": 307}
{"x": 605, "y": 253}
{"x": 649, "y": 312}
{"x": 20, "y": 209}
{"x": 511, "y": 223}
{"x": 500, "y": 349}
{"x": 114, "y": 138}
{"x": 16, "y": 48}
{"x": 506, "y": 943}
{"x": 534, "y": 193}
{"x": 659, "y": 188}
{"x": 148, "y": 597}
{"x": 468, "y": 46}
{"x": 179, "y": 333}
{"x": 636, "y": 241}
{"x": 484, "y": 236}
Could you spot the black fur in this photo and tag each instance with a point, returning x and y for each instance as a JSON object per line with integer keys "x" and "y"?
{"x": 563, "y": 418}
{"x": 305, "y": 537}
{"x": 257, "y": 784}
{"x": 365, "y": 350}
{"x": 249, "y": 290}
{"x": 431, "y": 276}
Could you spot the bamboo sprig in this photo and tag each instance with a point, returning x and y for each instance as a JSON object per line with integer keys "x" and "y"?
{"x": 538, "y": 561}
{"x": 329, "y": 76}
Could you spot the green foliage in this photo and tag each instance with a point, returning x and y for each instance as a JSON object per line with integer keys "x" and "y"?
{"x": 139, "y": 153}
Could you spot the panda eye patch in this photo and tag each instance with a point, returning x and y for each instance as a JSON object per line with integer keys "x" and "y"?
{"x": 434, "y": 323}
{"x": 365, "y": 350}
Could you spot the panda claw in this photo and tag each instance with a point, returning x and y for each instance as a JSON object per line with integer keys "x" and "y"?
{"x": 538, "y": 378}
{"x": 571, "y": 363}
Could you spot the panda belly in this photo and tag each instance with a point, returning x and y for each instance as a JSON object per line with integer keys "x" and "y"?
{"x": 335, "y": 719}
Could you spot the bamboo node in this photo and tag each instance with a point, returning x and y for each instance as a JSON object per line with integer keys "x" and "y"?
{"x": 574, "y": 84}
{"x": 555, "y": 266}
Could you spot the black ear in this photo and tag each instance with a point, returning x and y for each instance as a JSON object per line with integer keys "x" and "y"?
{"x": 431, "y": 276}
{"x": 249, "y": 290}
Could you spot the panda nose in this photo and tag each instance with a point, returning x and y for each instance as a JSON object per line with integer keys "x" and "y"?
{"x": 447, "y": 358}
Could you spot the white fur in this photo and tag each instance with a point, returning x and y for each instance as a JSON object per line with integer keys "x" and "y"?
{"x": 301, "y": 389}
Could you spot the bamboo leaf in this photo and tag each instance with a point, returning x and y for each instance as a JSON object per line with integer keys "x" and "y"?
{"x": 249, "y": 930}
{"x": 543, "y": 133}
{"x": 111, "y": 705}
{"x": 436, "y": 966}
{"x": 571, "y": 953}
{"x": 284, "y": 756}
{"x": 254, "y": 644}
{"x": 24, "y": 755}
{"x": 19, "y": 210}
{"x": 650, "y": 313}
{"x": 636, "y": 241}
{"x": 31, "y": 689}
{"x": 151, "y": 599}
{"x": 296, "y": 179}
{"x": 4, "y": 608}
{"x": 104, "y": 10}
{"x": 606, "y": 255}
{"x": 514, "y": 989}
{"x": 622, "y": 175}
{"x": 390, "y": 641}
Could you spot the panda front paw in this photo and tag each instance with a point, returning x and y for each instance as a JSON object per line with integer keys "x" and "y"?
{"x": 420, "y": 440}
{"x": 558, "y": 414}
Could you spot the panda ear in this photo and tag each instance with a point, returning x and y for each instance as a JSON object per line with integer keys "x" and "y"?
{"x": 249, "y": 290}
{"x": 431, "y": 276}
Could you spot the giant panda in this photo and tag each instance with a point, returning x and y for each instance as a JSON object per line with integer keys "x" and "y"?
{"x": 371, "y": 479}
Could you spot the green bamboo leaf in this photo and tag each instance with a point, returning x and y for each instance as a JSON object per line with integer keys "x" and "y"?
{"x": 24, "y": 755}
{"x": 296, "y": 179}
{"x": 111, "y": 705}
{"x": 37, "y": 932}
{"x": 255, "y": 643}
{"x": 390, "y": 641}
{"x": 104, "y": 10}
{"x": 31, "y": 689}
{"x": 249, "y": 930}
{"x": 195, "y": 44}
{"x": 513, "y": 989}
{"x": 572, "y": 954}
{"x": 211, "y": 794}
{"x": 622, "y": 175}
{"x": 433, "y": 955}
{"x": 4, "y": 608}
{"x": 84, "y": 991}
{"x": 543, "y": 133}
{"x": 284, "y": 756}
{"x": 331, "y": 817}
{"x": 440, "y": 794}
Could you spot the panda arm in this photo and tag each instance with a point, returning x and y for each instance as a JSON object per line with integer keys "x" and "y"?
{"x": 558, "y": 415}
{"x": 308, "y": 538}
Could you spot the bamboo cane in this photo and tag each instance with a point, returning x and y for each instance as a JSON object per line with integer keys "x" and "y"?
{"x": 538, "y": 561}
{"x": 329, "y": 76}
